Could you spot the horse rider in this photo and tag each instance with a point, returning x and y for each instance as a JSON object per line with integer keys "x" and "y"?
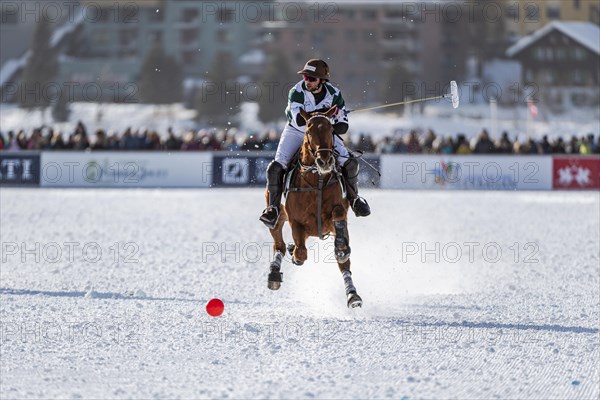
{"x": 312, "y": 93}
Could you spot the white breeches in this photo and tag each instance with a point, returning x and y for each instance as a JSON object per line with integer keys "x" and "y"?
{"x": 291, "y": 140}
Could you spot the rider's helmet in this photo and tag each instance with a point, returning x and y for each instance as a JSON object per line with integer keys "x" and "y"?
{"x": 316, "y": 68}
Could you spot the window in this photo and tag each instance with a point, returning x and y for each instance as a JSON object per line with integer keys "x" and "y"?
{"x": 391, "y": 57}
{"x": 9, "y": 17}
{"x": 561, "y": 53}
{"x": 369, "y": 36}
{"x": 189, "y": 57}
{"x": 128, "y": 53}
{"x": 512, "y": 12}
{"x": 532, "y": 12}
{"x": 100, "y": 38}
{"x": 529, "y": 75}
{"x": 540, "y": 54}
{"x": 127, "y": 37}
{"x": 369, "y": 14}
{"x": 155, "y": 14}
{"x": 225, "y": 15}
{"x": 187, "y": 36}
{"x": 223, "y": 36}
{"x": 553, "y": 12}
{"x": 576, "y": 4}
{"x": 550, "y": 76}
{"x": 395, "y": 13}
{"x": 579, "y": 54}
{"x": 189, "y": 14}
{"x": 107, "y": 15}
{"x": 156, "y": 36}
{"x": 576, "y": 77}
{"x": 595, "y": 14}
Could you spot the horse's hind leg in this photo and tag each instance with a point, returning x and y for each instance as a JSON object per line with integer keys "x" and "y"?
{"x": 342, "y": 255}
{"x": 275, "y": 275}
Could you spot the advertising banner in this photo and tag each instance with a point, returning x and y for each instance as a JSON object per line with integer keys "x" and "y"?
{"x": 250, "y": 170}
{"x": 19, "y": 169}
{"x": 472, "y": 172}
{"x": 126, "y": 169}
{"x": 576, "y": 172}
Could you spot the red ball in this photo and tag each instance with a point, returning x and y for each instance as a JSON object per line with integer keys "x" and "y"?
{"x": 215, "y": 307}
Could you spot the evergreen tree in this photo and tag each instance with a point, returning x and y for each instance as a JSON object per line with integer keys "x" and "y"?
{"x": 218, "y": 100}
{"x": 40, "y": 70}
{"x": 161, "y": 77}
{"x": 60, "y": 109}
{"x": 271, "y": 103}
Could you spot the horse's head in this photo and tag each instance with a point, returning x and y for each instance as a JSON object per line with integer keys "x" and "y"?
{"x": 318, "y": 140}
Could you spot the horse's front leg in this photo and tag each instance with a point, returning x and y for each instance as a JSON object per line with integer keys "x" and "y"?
{"x": 342, "y": 255}
{"x": 342, "y": 240}
{"x": 299, "y": 254}
{"x": 275, "y": 275}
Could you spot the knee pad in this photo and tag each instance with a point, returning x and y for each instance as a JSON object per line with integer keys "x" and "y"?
{"x": 275, "y": 171}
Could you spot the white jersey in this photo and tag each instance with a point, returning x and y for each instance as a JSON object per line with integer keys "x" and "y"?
{"x": 299, "y": 98}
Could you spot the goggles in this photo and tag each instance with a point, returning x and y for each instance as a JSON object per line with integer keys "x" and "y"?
{"x": 309, "y": 78}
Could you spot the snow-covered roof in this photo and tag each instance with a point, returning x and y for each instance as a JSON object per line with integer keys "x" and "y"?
{"x": 585, "y": 33}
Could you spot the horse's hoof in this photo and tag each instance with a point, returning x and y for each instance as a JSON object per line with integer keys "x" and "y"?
{"x": 290, "y": 248}
{"x": 296, "y": 261}
{"x": 342, "y": 256}
{"x": 275, "y": 279}
{"x": 354, "y": 300}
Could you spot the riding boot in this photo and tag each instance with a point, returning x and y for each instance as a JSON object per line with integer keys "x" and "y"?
{"x": 350, "y": 172}
{"x": 275, "y": 173}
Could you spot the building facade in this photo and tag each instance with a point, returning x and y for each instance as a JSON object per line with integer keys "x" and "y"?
{"x": 562, "y": 61}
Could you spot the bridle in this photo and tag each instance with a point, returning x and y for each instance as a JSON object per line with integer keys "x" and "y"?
{"x": 313, "y": 152}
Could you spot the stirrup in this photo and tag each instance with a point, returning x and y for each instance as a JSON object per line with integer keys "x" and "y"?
{"x": 267, "y": 219}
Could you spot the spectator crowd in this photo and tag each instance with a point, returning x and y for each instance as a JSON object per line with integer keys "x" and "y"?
{"x": 412, "y": 142}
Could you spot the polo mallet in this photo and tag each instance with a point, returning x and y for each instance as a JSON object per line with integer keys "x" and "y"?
{"x": 453, "y": 95}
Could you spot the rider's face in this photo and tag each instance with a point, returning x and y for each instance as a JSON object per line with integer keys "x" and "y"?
{"x": 312, "y": 85}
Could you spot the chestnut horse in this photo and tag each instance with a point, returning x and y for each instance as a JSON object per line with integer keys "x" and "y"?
{"x": 315, "y": 204}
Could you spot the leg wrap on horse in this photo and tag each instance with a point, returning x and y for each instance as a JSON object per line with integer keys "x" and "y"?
{"x": 275, "y": 173}
{"x": 341, "y": 243}
{"x": 349, "y": 285}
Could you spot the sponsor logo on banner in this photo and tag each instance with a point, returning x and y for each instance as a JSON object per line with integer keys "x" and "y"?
{"x": 576, "y": 173}
{"x": 235, "y": 171}
{"x": 19, "y": 169}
